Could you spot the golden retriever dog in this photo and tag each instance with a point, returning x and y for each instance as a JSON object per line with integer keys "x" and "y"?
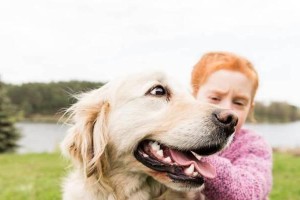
{"x": 142, "y": 137}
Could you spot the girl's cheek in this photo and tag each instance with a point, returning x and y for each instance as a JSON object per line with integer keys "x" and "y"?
{"x": 241, "y": 119}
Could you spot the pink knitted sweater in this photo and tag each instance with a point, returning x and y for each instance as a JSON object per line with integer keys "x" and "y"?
{"x": 244, "y": 170}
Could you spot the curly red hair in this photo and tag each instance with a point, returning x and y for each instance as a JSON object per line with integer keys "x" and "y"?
{"x": 214, "y": 61}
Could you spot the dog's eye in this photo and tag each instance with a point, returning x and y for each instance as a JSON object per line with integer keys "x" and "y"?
{"x": 158, "y": 91}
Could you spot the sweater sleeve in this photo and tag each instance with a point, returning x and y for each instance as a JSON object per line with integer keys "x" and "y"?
{"x": 247, "y": 176}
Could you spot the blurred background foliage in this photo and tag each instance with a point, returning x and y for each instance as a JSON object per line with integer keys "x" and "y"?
{"x": 45, "y": 99}
{"x": 9, "y": 134}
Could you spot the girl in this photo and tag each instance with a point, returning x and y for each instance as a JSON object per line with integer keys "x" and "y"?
{"x": 244, "y": 169}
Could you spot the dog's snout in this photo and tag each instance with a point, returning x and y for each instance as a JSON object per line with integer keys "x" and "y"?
{"x": 226, "y": 119}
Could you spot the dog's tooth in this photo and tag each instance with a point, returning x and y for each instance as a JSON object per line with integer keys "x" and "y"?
{"x": 155, "y": 146}
{"x": 195, "y": 174}
{"x": 152, "y": 145}
{"x": 167, "y": 160}
{"x": 160, "y": 153}
{"x": 190, "y": 170}
{"x": 196, "y": 155}
{"x": 145, "y": 155}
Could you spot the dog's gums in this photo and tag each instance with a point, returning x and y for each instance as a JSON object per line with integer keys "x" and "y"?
{"x": 181, "y": 166}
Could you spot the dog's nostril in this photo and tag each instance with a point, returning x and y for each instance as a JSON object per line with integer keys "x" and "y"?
{"x": 226, "y": 117}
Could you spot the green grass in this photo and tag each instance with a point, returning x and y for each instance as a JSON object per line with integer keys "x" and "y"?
{"x": 38, "y": 176}
{"x": 31, "y": 176}
{"x": 286, "y": 177}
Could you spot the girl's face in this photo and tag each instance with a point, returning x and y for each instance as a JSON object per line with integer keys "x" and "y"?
{"x": 230, "y": 90}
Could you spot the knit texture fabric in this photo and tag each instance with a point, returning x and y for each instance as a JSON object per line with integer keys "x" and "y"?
{"x": 244, "y": 169}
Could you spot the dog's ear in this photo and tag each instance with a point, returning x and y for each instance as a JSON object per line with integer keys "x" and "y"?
{"x": 87, "y": 138}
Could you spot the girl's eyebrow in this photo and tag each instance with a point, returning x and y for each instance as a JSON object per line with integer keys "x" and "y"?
{"x": 242, "y": 97}
{"x": 223, "y": 92}
{"x": 218, "y": 91}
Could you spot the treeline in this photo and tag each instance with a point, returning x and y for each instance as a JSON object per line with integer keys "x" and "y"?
{"x": 48, "y": 99}
{"x": 276, "y": 112}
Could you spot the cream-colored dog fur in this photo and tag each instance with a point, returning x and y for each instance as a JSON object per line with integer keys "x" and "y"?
{"x": 107, "y": 125}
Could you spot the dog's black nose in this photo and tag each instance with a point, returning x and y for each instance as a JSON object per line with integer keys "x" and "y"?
{"x": 226, "y": 119}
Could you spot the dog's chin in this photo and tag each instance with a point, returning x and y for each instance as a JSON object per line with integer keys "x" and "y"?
{"x": 182, "y": 187}
{"x": 174, "y": 169}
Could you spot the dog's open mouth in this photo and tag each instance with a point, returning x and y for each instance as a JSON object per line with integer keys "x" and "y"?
{"x": 180, "y": 166}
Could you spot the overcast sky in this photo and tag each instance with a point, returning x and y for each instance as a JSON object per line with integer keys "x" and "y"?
{"x": 96, "y": 40}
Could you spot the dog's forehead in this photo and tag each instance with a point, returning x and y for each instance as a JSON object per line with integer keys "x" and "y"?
{"x": 136, "y": 85}
{"x": 148, "y": 79}
{"x": 133, "y": 79}
{"x": 144, "y": 77}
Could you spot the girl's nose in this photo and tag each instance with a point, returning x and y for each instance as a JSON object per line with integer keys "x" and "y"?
{"x": 225, "y": 104}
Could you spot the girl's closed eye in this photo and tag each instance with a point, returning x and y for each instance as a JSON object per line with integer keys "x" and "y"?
{"x": 240, "y": 103}
{"x": 214, "y": 99}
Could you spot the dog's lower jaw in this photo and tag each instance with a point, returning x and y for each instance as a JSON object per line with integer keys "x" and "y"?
{"x": 186, "y": 189}
{"x": 144, "y": 187}
{"x": 132, "y": 187}
{"x": 130, "y": 182}
{"x": 136, "y": 186}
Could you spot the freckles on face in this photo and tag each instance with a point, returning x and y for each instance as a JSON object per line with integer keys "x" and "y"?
{"x": 229, "y": 90}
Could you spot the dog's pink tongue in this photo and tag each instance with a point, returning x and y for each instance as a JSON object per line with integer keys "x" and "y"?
{"x": 204, "y": 168}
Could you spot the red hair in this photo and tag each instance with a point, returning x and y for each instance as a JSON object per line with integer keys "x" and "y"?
{"x": 214, "y": 61}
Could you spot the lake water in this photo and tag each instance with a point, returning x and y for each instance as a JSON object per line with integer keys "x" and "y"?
{"x": 279, "y": 135}
{"x": 45, "y": 137}
{"x": 40, "y": 137}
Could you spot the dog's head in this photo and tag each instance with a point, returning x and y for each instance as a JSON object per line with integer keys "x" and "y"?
{"x": 147, "y": 124}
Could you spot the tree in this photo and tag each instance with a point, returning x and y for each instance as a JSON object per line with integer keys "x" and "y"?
{"x": 8, "y": 132}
